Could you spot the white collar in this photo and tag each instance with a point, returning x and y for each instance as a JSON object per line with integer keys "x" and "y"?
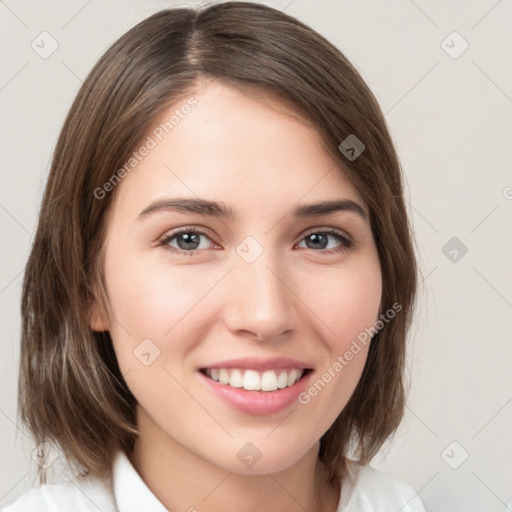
{"x": 130, "y": 491}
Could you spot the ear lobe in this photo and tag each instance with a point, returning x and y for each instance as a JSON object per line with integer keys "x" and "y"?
{"x": 98, "y": 319}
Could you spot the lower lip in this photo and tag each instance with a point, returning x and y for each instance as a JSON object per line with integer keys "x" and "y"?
{"x": 258, "y": 403}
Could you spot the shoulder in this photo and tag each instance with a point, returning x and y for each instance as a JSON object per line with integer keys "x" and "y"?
{"x": 370, "y": 490}
{"x": 84, "y": 494}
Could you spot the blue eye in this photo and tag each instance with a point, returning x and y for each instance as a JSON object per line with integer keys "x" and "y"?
{"x": 188, "y": 241}
{"x": 320, "y": 240}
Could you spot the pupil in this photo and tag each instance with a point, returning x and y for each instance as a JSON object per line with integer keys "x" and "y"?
{"x": 188, "y": 238}
{"x": 318, "y": 239}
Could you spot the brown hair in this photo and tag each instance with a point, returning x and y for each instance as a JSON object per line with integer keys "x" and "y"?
{"x": 71, "y": 391}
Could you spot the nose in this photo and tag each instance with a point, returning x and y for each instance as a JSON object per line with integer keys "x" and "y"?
{"x": 260, "y": 301}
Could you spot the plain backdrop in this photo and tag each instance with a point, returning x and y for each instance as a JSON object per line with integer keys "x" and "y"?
{"x": 442, "y": 72}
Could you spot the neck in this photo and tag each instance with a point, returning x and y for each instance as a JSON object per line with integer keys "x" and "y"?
{"x": 181, "y": 480}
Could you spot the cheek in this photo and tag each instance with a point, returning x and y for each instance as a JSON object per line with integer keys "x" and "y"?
{"x": 154, "y": 300}
{"x": 347, "y": 301}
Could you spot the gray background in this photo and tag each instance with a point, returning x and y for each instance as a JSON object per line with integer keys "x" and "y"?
{"x": 450, "y": 116}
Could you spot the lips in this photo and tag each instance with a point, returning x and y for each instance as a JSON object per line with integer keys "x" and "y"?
{"x": 257, "y": 386}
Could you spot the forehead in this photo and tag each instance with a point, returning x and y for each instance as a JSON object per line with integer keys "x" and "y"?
{"x": 243, "y": 147}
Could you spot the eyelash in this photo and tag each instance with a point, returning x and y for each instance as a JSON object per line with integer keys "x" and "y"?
{"x": 346, "y": 243}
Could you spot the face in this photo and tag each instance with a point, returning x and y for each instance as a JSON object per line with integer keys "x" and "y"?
{"x": 232, "y": 321}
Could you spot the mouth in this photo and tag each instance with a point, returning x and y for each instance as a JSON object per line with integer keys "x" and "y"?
{"x": 254, "y": 380}
{"x": 257, "y": 386}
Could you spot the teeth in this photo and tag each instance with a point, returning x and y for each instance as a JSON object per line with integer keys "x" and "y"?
{"x": 223, "y": 376}
{"x": 282, "y": 380}
{"x": 269, "y": 381}
{"x": 251, "y": 380}
{"x": 293, "y": 376}
{"x": 236, "y": 379}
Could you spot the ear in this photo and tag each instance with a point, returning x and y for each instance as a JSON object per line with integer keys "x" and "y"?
{"x": 98, "y": 317}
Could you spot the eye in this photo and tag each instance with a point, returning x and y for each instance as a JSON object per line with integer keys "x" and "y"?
{"x": 186, "y": 241}
{"x": 189, "y": 241}
{"x": 320, "y": 239}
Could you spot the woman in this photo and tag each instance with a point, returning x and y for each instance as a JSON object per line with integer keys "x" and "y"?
{"x": 217, "y": 299}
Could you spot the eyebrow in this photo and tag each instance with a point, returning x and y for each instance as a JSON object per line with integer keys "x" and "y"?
{"x": 220, "y": 210}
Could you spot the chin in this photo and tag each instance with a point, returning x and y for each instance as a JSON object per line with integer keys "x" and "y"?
{"x": 262, "y": 457}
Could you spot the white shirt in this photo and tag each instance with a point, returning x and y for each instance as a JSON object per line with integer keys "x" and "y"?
{"x": 364, "y": 489}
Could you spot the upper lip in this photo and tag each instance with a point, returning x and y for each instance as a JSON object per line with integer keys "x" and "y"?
{"x": 254, "y": 363}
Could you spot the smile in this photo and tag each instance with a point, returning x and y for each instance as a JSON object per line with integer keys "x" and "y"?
{"x": 253, "y": 380}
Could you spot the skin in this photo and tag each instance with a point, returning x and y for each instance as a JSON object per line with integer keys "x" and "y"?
{"x": 209, "y": 306}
